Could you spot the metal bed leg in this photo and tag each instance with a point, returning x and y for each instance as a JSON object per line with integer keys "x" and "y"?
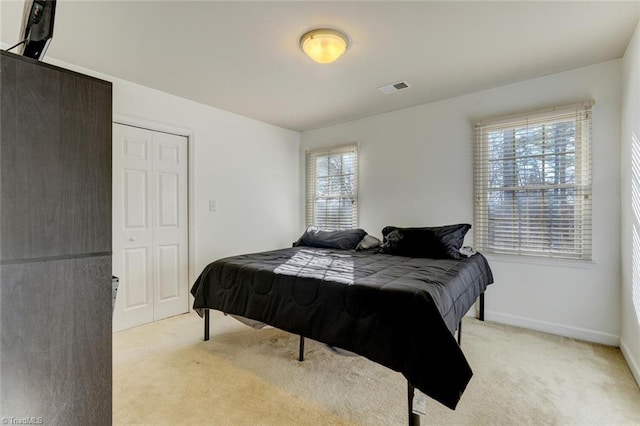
{"x": 414, "y": 419}
{"x": 301, "y": 350}
{"x": 481, "y": 312}
{"x": 460, "y": 333}
{"x": 206, "y": 325}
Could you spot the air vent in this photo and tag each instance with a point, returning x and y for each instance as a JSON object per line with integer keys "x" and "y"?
{"x": 394, "y": 87}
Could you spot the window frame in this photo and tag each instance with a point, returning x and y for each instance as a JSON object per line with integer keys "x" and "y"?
{"x": 311, "y": 179}
{"x": 539, "y": 245}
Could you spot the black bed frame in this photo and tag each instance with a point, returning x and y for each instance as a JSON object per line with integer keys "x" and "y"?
{"x": 414, "y": 419}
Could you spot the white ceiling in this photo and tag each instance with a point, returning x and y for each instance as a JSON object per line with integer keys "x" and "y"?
{"x": 245, "y": 57}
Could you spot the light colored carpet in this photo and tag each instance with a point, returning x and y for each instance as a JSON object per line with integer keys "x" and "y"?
{"x": 164, "y": 373}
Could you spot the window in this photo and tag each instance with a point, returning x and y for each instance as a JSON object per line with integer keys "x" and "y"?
{"x": 533, "y": 184}
{"x": 635, "y": 223}
{"x": 332, "y": 187}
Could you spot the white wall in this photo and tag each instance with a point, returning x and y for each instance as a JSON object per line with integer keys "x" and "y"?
{"x": 416, "y": 170}
{"x": 248, "y": 167}
{"x": 630, "y": 330}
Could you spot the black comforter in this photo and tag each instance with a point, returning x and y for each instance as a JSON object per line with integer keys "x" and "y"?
{"x": 398, "y": 311}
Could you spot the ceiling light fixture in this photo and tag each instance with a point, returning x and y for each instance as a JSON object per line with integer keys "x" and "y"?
{"x": 324, "y": 45}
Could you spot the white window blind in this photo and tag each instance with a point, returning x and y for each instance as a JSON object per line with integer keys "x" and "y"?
{"x": 533, "y": 183}
{"x": 332, "y": 187}
{"x": 635, "y": 223}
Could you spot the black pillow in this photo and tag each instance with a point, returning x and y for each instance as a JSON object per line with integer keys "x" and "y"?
{"x": 346, "y": 239}
{"x": 438, "y": 242}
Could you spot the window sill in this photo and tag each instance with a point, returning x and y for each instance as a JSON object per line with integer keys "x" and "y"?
{"x": 542, "y": 261}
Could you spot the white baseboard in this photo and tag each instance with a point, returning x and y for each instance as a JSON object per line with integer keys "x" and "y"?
{"x": 553, "y": 328}
{"x": 632, "y": 362}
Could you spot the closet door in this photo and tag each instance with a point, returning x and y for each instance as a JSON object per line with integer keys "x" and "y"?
{"x": 150, "y": 240}
{"x": 170, "y": 231}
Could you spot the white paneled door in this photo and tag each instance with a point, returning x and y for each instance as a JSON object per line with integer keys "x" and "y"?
{"x": 150, "y": 233}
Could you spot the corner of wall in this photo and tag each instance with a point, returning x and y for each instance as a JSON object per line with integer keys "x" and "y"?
{"x": 630, "y": 126}
{"x": 632, "y": 362}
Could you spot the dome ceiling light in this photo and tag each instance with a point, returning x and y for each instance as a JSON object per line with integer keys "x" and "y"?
{"x": 324, "y": 45}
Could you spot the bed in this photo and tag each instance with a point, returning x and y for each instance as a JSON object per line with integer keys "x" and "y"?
{"x": 399, "y": 311}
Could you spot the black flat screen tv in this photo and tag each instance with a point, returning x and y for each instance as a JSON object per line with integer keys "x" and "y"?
{"x": 36, "y": 31}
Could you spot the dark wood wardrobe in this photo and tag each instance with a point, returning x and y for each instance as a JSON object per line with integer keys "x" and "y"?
{"x": 55, "y": 245}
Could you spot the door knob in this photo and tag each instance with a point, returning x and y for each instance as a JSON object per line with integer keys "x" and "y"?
{"x": 132, "y": 239}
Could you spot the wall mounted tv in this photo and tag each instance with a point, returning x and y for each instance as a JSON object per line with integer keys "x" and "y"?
{"x": 36, "y": 31}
